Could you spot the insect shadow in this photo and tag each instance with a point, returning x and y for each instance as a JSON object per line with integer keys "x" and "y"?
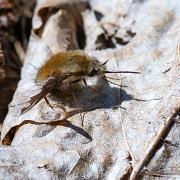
{"x": 101, "y": 96}
{"x": 87, "y": 98}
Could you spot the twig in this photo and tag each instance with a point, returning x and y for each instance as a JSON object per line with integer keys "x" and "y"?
{"x": 152, "y": 148}
{"x": 129, "y": 168}
{"x": 126, "y": 142}
{"x": 161, "y": 175}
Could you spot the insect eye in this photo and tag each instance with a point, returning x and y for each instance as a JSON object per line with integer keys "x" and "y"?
{"x": 94, "y": 72}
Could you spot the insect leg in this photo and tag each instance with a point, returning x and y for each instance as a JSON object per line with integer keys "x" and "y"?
{"x": 48, "y": 103}
{"x": 113, "y": 82}
{"x": 77, "y": 104}
{"x": 60, "y": 106}
{"x": 119, "y": 79}
{"x": 75, "y": 81}
{"x": 84, "y": 81}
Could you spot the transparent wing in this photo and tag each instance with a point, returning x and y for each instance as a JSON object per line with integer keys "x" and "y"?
{"x": 51, "y": 84}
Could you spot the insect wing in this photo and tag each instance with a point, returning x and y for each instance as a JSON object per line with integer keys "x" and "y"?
{"x": 51, "y": 84}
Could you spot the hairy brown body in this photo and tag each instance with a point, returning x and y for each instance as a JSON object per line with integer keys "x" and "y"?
{"x": 75, "y": 62}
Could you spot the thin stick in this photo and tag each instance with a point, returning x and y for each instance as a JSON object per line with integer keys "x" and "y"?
{"x": 129, "y": 168}
{"x": 153, "y": 146}
{"x": 124, "y": 132}
{"x": 161, "y": 175}
{"x": 126, "y": 142}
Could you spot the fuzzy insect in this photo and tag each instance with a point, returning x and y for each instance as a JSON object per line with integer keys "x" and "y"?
{"x": 66, "y": 68}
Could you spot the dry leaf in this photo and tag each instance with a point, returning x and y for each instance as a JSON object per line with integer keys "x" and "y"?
{"x": 120, "y": 124}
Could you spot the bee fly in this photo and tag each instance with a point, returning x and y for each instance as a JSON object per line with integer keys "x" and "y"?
{"x": 66, "y": 67}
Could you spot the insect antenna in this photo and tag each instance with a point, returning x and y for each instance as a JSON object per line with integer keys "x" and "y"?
{"x": 133, "y": 72}
{"x": 104, "y": 63}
